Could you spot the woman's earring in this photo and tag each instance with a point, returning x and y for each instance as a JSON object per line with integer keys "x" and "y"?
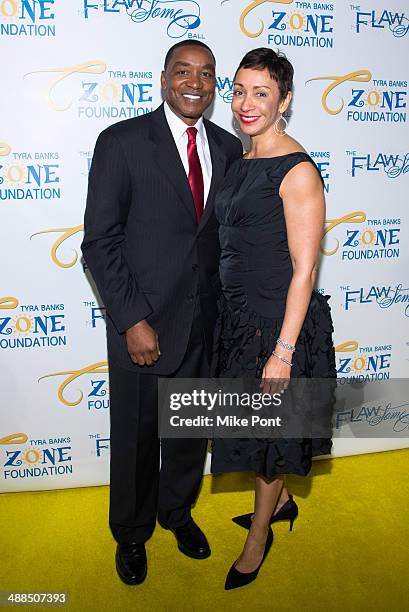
{"x": 277, "y": 123}
{"x": 236, "y": 126}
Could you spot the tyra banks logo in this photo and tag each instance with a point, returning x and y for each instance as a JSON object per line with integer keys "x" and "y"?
{"x": 331, "y": 224}
{"x": 23, "y": 457}
{"x": 383, "y": 101}
{"x": 303, "y": 24}
{"x": 111, "y": 93}
{"x": 29, "y": 175}
{"x": 361, "y": 238}
{"x": 359, "y": 363}
{"x": 95, "y": 382}
{"x": 30, "y": 326}
{"x": 22, "y": 18}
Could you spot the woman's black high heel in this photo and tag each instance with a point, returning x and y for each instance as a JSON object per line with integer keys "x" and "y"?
{"x": 236, "y": 579}
{"x": 287, "y": 512}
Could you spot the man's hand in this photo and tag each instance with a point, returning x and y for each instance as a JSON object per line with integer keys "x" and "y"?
{"x": 143, "y": 344}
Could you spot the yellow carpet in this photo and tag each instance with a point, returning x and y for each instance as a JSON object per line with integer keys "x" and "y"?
{"x": 348, "y": 551}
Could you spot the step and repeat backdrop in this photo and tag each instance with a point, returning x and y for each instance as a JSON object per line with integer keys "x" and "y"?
{"x": 69, "y": 69}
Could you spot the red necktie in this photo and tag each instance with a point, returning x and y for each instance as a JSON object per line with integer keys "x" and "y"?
{"x": 195, "y": 173}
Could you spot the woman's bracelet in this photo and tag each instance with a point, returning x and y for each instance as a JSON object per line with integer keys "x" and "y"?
{"x": 282, "y": 358}
{"x": 286, "y": 345}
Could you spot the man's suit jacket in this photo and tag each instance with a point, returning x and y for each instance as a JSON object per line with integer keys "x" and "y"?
{"x": 144, "y": 248}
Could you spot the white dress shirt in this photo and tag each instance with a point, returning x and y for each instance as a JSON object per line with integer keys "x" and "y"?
{"x": 178, "y": 129}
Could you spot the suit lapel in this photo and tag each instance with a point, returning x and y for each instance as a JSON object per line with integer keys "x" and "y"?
{"x": 218, "y": 168}
{"x": 168, "y": 159}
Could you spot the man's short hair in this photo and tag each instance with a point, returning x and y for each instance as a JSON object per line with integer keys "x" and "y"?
{"x": 185, "y": 43}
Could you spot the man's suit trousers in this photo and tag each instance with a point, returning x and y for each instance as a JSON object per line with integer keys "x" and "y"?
{"x": 140, "y": 487}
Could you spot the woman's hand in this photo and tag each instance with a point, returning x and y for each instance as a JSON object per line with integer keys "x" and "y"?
{"x": 275, "y": 376}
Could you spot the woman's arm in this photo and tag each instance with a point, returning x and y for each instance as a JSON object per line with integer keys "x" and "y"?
{"x": 304, "y": 209}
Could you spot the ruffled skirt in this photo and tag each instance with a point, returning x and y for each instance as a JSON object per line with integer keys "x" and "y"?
{"x": 244, "y": 340}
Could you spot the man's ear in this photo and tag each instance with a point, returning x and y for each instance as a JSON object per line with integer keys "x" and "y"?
{"x": 163, "y": 81}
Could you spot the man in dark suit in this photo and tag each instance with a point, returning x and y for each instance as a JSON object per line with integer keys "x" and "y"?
{"x": 151, "y": 243}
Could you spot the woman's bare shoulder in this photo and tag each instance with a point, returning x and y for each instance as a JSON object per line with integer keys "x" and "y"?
{"x": 291, "y": 145}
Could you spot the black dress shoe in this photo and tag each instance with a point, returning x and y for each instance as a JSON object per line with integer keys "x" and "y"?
{"x": 236, "y": 579}
{"x": 191, "y": 540}
{"x": 131, "y": 562}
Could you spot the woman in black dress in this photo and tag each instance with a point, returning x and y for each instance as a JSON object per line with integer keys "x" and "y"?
{"x": 271, "y": 210}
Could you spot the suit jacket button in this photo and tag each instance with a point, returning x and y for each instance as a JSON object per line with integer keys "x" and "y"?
{"x": 190, "y": 298}
{"x": 195, "y": 267}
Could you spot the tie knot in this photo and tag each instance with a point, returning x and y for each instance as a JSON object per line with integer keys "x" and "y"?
{"x": 191, "y": 134}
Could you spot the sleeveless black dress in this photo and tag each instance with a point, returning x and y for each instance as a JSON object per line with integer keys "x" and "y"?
{"x": 255, "y": 272}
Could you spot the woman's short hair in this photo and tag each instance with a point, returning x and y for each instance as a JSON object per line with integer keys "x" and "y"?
{"x": 280, "y": 69}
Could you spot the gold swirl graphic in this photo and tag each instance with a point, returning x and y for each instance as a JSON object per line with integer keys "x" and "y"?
{"x": 250, "y": 8}
{"x": 347, "y": 347}
{"x": 17, "y": 438}
{"x": 66, "y": 232}
{"x": 355, "y": 217}
{"x": 101, "y": 367}
{"x": 8, "y": 302}
{"x": 359, "y": 76}
{"x": 5, "y": 149}
{"x": 90, "y": 67}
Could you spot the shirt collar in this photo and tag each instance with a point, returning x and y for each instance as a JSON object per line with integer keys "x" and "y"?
{"x": 179, "y": 127}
